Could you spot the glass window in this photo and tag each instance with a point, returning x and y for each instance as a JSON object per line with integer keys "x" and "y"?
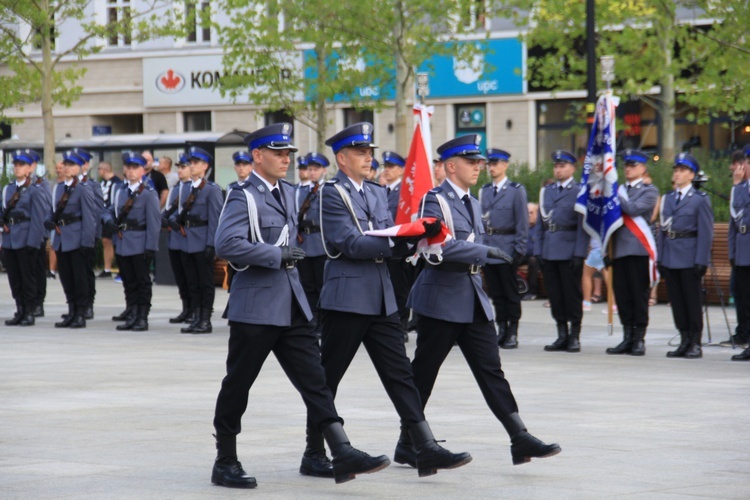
{"x": 278, "y": 117}
{"x": 198, "y": 15}
{"x": 120, "y": 24}
{"x": 352, "y": 116}
{"x": 197, "y": 121}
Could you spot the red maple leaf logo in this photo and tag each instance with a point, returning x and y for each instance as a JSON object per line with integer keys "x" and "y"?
{"x": 171, "y": 81}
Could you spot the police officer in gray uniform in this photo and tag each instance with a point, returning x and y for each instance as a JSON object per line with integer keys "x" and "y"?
{"x": 308, "y": 235}
{"x": 454, "y": 309}
{"x": 357, "y": 301}
{"x": 73, "y": 222}
{"x": 243, "y": 166}
{"x": 41, "y": 265}
{"x": 25, "y": 204}
{"x": 506, "y": 223}
{"x": 135, "y": 223}
{"x": 684, "y": 253}
{"x": 739, "y": 253}
{"x": 561, "y": 246}
{"x": 268, "y": 312}
{"x": 630, "y": 259}
{"x": 197, "y": 222}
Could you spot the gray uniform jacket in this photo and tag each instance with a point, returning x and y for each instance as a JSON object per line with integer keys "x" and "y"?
{"x": 176, "y": 241}
{"x": 262, "y": 293}
{"x": 204, "y": 213}
{"x": 357, "y": 281}
{"x": 692, "y": 214}
{"x": 641, "y": 201}
{"x": 312, "y": 241}
{"x": 561, "y": 237}
{"x": 450, "y": 296}
{"x": 77, "y": 222}
{"x": 505, "y": 212}
{"x": 26, "y": 220}
{"x": 393, "y": 197}
{"x": 739, "y": 226}
{"x": 141, "y": 226}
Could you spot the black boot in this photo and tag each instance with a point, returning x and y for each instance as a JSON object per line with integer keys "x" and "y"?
{"x": 562, "y": 339}
{"x": 227, "y": 469}
{"x": 314, "y": 460}
{"x": 28, "y": 318}
{"x": 38, "y": 311}
{"x": 682, "y": 348}
{"x": 204, "y": 322}
{"x": 405, "y": 452}
{"x": 67, "y": 318}
{"x": 524, "y": 446}
{"x": 78, "y": 320}
{"x": 130, "y": 320}
{"x": 89, "y": 312}
{"x": 192, "y": 316}
{"x": 574, "y": 343}
{"x": 196, "y": 317}
{"x": 430, "y": 455}
{"x": 502, "y": 331}
{"x": 17, "y": 316}
{"x": 511, "y": 338}
{"x": 626, "y": 345}
{"x": 743, "y": 356}
{"x": 184, "y": 314}
{"x": 347, "y": 460}
{"x": 125, "y": 315}
{"x": 639, "y": 341}
{"x": 694, "y": 350}
{"x": 141, "y": 320}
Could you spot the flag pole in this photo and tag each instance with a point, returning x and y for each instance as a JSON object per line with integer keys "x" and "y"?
{"x": 608, "y": 74}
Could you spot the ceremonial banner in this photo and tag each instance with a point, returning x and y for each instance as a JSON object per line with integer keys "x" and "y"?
{"x": 425, "y": 246}
{"x": 418, "y": 172}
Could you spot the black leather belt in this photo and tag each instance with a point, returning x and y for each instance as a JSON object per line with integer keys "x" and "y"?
{"x": 675, "y": 235}
{"x": 195, "y": 223}
{"x": 132, "y": 227}
{"x": 377, "y": 260}
{"x": 457, "y": 267}
{"x": 16, "y": 219}
{"x": 66, "y": 221}
{"x": 491, "y": 231}
{"x": 311, "y": 229}
{"x": 553, "y": 228}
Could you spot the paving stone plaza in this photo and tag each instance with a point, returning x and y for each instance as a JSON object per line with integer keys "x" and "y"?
{"x": 96, "y": 413}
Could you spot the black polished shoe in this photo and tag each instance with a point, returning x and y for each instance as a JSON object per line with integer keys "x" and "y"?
{"x": 27, "y": 319}
{"x": 316, "y": 465}
{"x": 561, "y": 343}
{"x": 347, "y": 460}
{"x": 432, "y": 457}
{"x": 88, "y": 313}
{"x": 626, "y": 346}
{"x": 524, "y": 447}
{"x": 38, "y": 311}
{"x": 231, "y": 475}
{"x": 743, "y": 356}
{"x": 405, "y": 453}
{"x": 123, "y": 316}
{"x": 16, "y": 319}
{"x": 511, "y": 337}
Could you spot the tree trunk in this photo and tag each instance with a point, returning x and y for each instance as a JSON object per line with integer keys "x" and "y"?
{"x": 667, "y": 100}
{"x": 404, "y": 101}
{"x": 321, "y": 117}
{"x": 47, "y": 69}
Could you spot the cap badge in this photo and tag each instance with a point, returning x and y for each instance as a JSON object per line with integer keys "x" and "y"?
{"x": 285, "y": 129}
{"x": 366, "y": 128}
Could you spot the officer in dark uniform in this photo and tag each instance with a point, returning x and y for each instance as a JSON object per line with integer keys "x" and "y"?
{"x": 357, "y": 301}
{"x": 25, "y": 204}
{"x": 506, "y": 222}
{"x": 90, "y": 255}
{"x": 561, "y": 246}
{"x": 739, "y": 253}
{"x": 135, "y": 224}
{"x": 109, "y": 184}
{"x": 308, "y": 235}
{"x": 176, "y": 242}
{"x": 196, "y": 222}
{"x": 454, "y": 309}
{"x": 73, "y": 219}
{"x": 630, "y": 259}
{"x": 302, "y": 188}
{"x": 373, "y": 173}
{"x": 268, "y": 312}
{"x": 684, "y": 253}
{"x": 243, "y": 167}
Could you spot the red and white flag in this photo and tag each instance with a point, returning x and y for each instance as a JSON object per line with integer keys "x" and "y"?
{"x": 425, "y": 246}
{"x": 418, "y": 172}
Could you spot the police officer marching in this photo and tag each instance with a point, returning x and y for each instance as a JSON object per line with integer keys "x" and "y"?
{"x": 739, "y": 251}
{"x": 631, "y": 270}
{"x": 308, "y": 235}
{"x": 453, "y": 307}
{"x": 197, "y": 222}
{"x": 561, "y": 246}
{"x": 268, "y": 312}
{"x": 25, "y": 204}
{"x": 684, "y": 253}
{"x": 357, "y": 301}
{"x": 176, "y": 242}
{"x": 133, "y": 220}
{"x": 506, "y": 223}
{"x": 73, "y": 222}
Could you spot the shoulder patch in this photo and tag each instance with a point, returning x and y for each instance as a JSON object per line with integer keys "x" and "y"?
{"x": 332, "y": 181}
{"x": 702, "y": 193}
{"x": 436, "y": 190}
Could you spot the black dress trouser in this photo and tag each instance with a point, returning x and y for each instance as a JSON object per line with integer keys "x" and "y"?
{"x": 22, "y": 275}
{"x": 503, "y": 290}
{"x": 684, "y": 291}
{"x": 75, "y": 283}
{"x": 563, "y": 283}
{"x": 632, "y": 288}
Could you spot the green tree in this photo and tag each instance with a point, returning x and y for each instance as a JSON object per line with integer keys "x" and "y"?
{"x": 695, "y": 67}
{"x": 367, "y": 44}
{"x": 36, "y": 70}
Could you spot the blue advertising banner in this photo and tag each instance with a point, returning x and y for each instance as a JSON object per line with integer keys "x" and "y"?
{"x": 497, "y": 70}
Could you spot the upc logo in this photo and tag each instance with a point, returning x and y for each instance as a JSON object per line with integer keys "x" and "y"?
{"x": 170, "y": 82}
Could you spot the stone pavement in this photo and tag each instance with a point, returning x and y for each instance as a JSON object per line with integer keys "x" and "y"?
{"x": 97, "y": 413}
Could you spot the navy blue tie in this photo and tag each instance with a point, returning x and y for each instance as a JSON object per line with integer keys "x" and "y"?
{"x": 276, "y": 194}
{"x": 467, "y": 204}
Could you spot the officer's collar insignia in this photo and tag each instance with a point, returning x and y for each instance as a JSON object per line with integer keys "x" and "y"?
{"x": 262, "y": 188}
{"x": 451, "y": 195}
{"x": 505, "y": 186}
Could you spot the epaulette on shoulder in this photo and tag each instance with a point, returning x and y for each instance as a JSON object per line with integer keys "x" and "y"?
{"x": 149, "y": 187}
{"x": 373, "y": 183}
{"x": 436, "y": 190}
{"x": 702, "y": 193}
{"x": 287, "y": 182}
{"x": 487, "y": 185}
{"x": 516, "y": 185}
{"x": 332, "y": 181}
